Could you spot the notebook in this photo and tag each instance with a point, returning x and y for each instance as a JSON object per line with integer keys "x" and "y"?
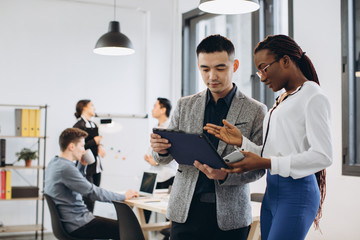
{"x": 148, "y": 184}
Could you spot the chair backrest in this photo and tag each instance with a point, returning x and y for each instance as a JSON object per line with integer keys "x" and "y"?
{"x": 57, "y": 226}
{"x": 256, "y": 197}
{"x": 129, "y": 227}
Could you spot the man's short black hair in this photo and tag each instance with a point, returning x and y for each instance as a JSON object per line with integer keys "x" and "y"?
{"x": 216, "y": 43}
{"x": 164, "y": 102}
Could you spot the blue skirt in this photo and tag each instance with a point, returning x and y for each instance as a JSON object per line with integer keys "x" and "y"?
{"x": 289, "y": 207}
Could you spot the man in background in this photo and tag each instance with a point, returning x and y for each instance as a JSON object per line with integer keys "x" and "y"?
{"x": 165, "y": 173}
{"x": 65, "y": 184}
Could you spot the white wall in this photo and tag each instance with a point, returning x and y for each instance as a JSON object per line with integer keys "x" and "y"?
{"x": 46, "y": 58}
{"x": 318, "y": 32}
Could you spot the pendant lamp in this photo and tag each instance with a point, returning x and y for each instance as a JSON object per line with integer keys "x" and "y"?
{"x": 229, "y": 6}
{"x": 114, "y": 43}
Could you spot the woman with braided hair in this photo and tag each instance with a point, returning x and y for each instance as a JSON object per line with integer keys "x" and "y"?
{"x": 297, "y": 143}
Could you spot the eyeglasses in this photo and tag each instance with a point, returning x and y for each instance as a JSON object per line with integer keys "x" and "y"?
{"x": 262, "y": 72}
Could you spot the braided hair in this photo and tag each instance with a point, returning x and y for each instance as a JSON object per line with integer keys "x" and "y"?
{"x": 281, "y": 45}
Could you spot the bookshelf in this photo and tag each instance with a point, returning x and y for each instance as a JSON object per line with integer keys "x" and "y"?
{"x": 21, "y": 167}
{"x": 24, "y": 199}
{"x": 21, "y": 228}
{"x": 38, "y": 167}
{"x": 4, "y": 136}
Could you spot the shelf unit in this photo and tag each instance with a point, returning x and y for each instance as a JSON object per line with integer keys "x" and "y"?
{"x": 21, "y": 228}
{"x": 40, "y": 169}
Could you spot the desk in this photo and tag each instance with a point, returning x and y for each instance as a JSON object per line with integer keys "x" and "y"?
{"x": 156, "y": 203}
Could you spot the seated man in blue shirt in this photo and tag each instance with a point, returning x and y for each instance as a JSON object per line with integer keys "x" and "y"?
{"x": 65, "y": 184}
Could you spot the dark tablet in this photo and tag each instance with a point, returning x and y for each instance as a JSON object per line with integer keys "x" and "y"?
{"x": 187, "y": 147}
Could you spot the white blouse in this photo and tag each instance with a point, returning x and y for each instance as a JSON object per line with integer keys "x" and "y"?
{"x": 299, "y": 141}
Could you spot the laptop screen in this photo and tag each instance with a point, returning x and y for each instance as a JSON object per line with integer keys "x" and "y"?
{"x": 148, "y": 182}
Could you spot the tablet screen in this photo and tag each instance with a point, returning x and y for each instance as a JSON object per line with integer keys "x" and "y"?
{"x": 188, "y": 147}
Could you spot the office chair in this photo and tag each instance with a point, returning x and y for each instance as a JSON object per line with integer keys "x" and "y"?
{"x": 57, "y": 226}
{"x": 256, "y": 197}
{"x": 129, "y": 227}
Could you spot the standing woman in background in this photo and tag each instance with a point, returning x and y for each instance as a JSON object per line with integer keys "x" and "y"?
{"x": 297, "y": 143}
{"x": 85, "y": 110}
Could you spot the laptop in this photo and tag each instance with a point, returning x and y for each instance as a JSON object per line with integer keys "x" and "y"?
{"x": 148, "y": 184}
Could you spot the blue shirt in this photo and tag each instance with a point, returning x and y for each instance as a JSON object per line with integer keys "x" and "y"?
{"x": 214, "y": 113}
{"x": 65, "y": 184}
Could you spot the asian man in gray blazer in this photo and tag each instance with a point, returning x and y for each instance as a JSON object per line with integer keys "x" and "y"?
{"x": 208, "y": 203}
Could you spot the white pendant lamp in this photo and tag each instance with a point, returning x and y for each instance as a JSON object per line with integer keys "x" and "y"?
{"x": 229, "y": 6}
{"x": 114, "y": 43}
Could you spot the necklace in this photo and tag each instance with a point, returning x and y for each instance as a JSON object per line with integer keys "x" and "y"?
{"x": 279, "y": 100}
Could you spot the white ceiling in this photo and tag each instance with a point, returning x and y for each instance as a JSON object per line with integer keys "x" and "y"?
{"x": 184, "y": 5}
{"x": 119, "y": 3}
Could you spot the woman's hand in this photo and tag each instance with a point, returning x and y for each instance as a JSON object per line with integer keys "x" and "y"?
{"x": 250, "y": 162}
{"x": 150, "y": 160}
{"x": 228, "y": 133}
{"x": 97, "y": 139}
{"x": 101, "y": 151}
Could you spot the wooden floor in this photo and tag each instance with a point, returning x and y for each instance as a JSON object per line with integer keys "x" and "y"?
{"x": 50, "y": 236}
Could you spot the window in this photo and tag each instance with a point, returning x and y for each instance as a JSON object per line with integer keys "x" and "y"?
{"x": 238, "y": 29}
{"x": 350, "y": 26}
{"x": 245, "y": 31}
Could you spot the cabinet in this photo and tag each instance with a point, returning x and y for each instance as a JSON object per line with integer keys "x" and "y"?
{"x": 19, "y": 171}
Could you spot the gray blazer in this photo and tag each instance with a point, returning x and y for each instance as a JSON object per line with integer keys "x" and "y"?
{"x": 232, "y": 195}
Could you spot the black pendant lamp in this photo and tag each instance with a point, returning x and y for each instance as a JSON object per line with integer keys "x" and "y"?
{"x": 114, "y": 43}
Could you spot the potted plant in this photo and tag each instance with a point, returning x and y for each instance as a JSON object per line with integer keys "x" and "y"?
{"x": 27, "y": 155}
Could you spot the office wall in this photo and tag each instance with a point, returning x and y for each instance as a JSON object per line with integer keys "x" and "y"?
{"x": 46, "y": 58}
{"x": 318, "y": 33}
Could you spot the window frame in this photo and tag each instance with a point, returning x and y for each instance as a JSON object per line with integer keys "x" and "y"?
{"x": 189, "y": 85}
{"x": 349, "y": 126}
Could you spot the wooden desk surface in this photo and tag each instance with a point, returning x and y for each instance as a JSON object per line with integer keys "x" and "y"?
{"x": 156, "y": 203}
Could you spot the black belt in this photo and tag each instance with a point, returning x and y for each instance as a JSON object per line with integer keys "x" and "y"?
{"x": 207, "y": 198}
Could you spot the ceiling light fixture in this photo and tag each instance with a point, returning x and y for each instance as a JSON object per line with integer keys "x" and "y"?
{"x": 229, "y": 6}
{"x": 114, "y": 43}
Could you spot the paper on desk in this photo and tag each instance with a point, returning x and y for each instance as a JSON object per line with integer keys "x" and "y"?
{"x": 158, "y": 203}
